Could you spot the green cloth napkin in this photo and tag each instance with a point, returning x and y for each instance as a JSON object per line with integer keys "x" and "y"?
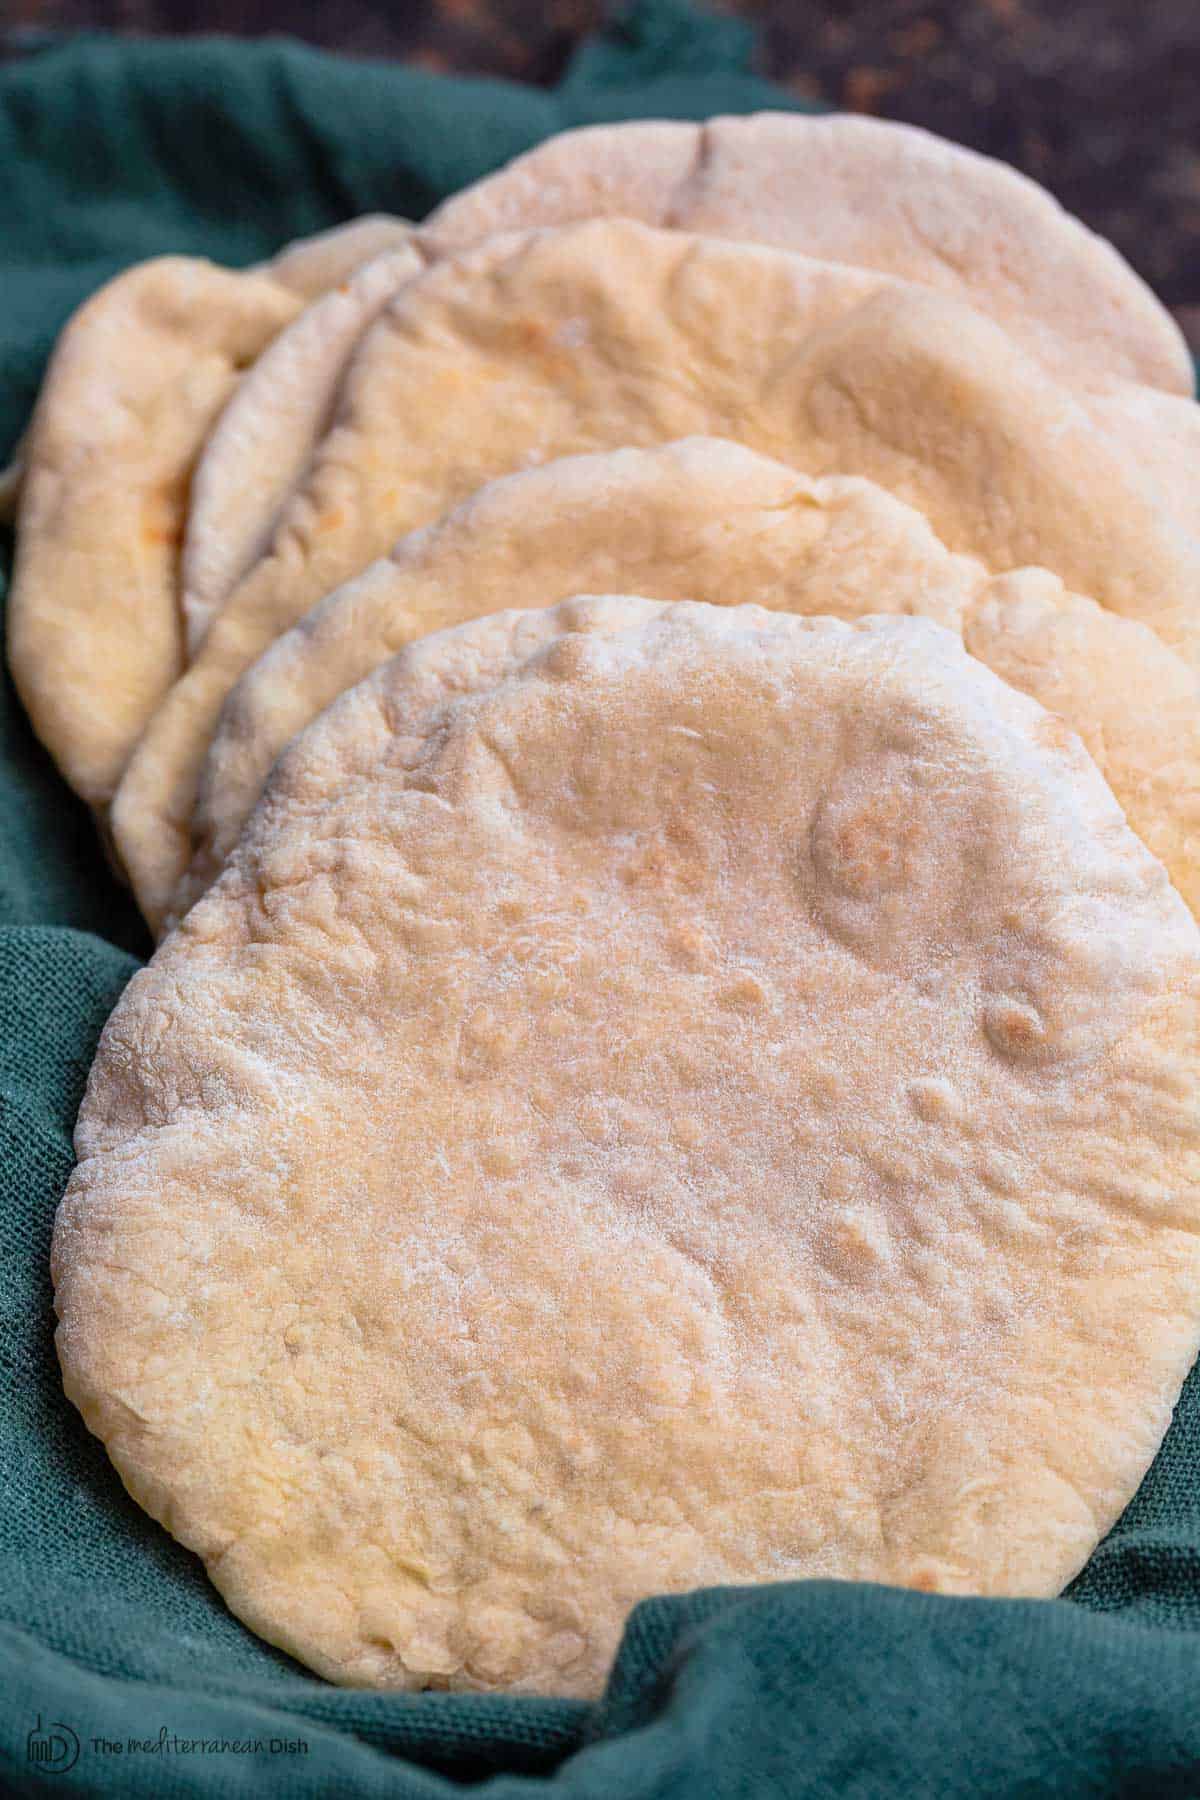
{"x": 120, "y": 1670}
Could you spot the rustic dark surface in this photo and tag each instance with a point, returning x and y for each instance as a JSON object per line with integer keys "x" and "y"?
{"x": 1097, "y": 99}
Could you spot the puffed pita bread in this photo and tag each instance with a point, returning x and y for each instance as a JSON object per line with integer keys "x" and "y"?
{"x": 699, "y": 520}
{"x": 137, "y": 378}
{"x": 259, "y": 448}
{"x": 714, "y": 1104}
{"x": 709, "y": 520}
{"x": 856, "y": 190}
{"x": 608, "y": 333}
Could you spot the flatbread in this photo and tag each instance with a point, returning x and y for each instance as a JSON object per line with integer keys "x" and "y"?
{"x": 701, "y": 520}
{"x": 864, "y": 191}
{"x": 260, "y": 446}
{"x": 892, "y": 197}
{"x": 137, "y": 378}
{"x": 709, "y": 520}
{"x": 609, "y": 333}
{"x": 876, "y": 195}
{"x": 1160, "y": 433}
{"x": 1134, "y": 703}
{"x": 715, "y": 1104}
{"x": 312, "y": 265}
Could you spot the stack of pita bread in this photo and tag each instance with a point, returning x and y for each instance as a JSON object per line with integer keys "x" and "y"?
{"x": 655, "y": 717}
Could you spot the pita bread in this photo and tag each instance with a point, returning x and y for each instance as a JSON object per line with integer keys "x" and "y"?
{"x": 702, "y": 520}
{"x": 260, "y": 446}
{"x": 708, "y": 520}
{"x": 864, "y": 191}
{"x": 137, "y": 377}
{"x": 1160, "y": 433}
{"x": 892, "y": 197}
{"x": 309, "y": 267}
{"x": 713, "y": 1104}
{"x": 312, "y": 265}
{"x": 611, "y": 333}
{"x": 1133, "y": 702}
{"x": 875, "y": 195}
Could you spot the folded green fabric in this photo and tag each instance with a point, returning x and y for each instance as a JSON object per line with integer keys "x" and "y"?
{"x": 120, "y": 1670}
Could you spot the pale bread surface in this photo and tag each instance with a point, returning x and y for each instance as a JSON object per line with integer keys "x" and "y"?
{"x": 610, "y": 333}
{"x": 312, "y": 265}
{"x": 875, "y": 195}
{"x": 703, "y": 519}
{"x": 714, "y": 1103}
{"x": 138, "y": 376}
{"x": 871, "y": 192}
{"x": 712, "y": 521}
{"x": 259, "y": 448}
{"x": 1161, "y": 434}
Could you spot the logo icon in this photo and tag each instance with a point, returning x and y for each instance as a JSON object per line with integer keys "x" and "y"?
{"x": 52, "y": 1749}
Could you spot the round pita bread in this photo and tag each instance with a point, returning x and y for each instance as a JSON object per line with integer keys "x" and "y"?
{"x": 713, "y": 1104}
{"x": 260, "y": 446}
{"x": 309, "y": 267}
{"x": 709, "y": 520}
{"x": 954, "y": 231}
{"x": 137, "y": 378}
{"x": 701, "y": 520}
{"x": 855, "y": 190}
{"x": 612, "y": 333}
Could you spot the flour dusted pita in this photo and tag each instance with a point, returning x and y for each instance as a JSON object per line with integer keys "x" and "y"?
{"x": 891, "y": 197}
{"x": 876, "y": 195}
{"x": 1161, "y": 434}
{"x": 702, "y": 520}
{"x": 609, "y": 333}
{"x": 864, "y": 191}
{"x": 709, "y": 520}
{"x": 137, "y": 378}
{"x": 714, "y": 1103}
{"x": 260, "y": 446}
{"x": 1134, "y": 703}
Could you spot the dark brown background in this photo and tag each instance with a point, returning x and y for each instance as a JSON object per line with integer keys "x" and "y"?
{"x": 1098, "y": 99}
